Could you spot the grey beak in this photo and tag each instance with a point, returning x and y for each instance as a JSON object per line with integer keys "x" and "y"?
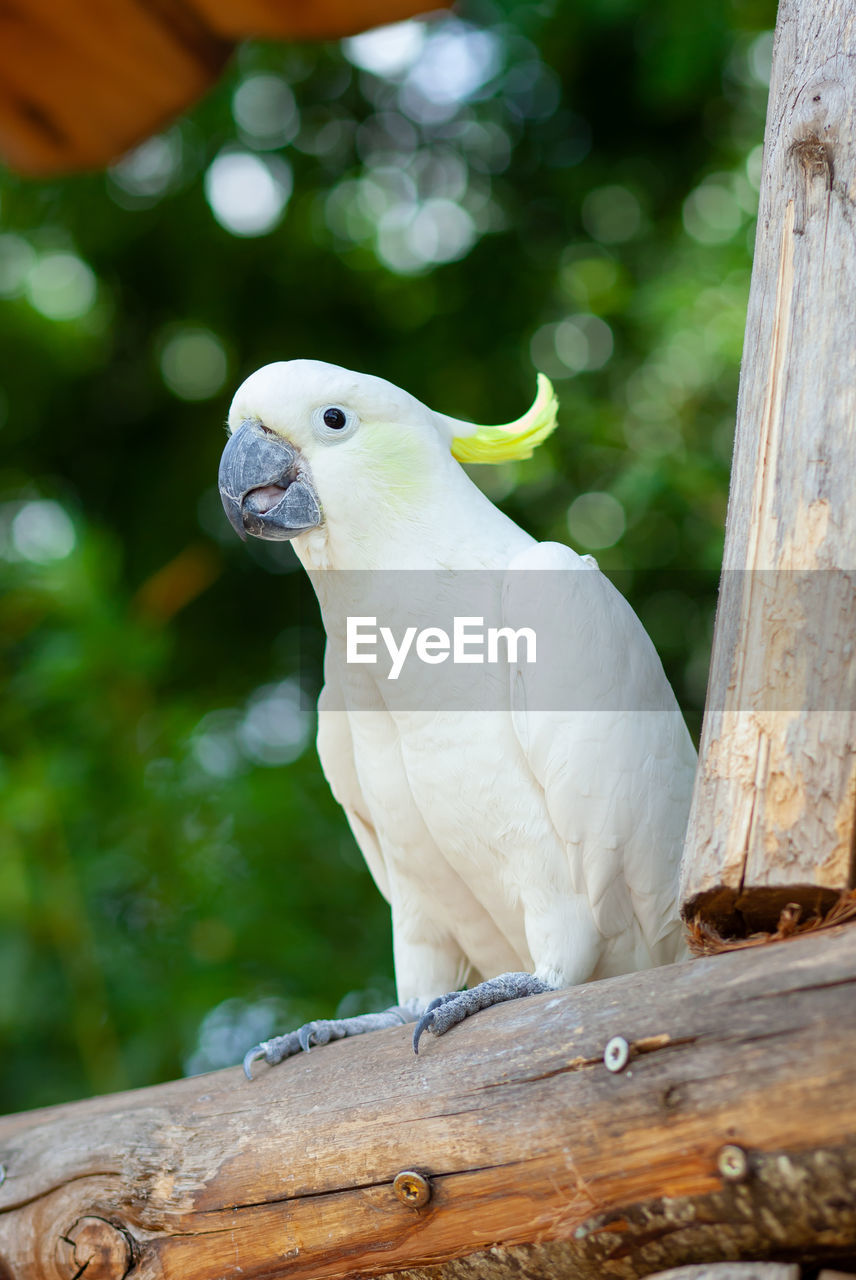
{"x": 264, "y": 486}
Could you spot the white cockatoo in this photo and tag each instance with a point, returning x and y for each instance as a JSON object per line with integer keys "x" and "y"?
{"x": 524, "y": 819}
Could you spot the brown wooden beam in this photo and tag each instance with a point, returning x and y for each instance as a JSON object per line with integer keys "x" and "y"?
{"x": 773, "y": 820}
{"x": 82, "y": 81}
{"x": 731, "y": 1133}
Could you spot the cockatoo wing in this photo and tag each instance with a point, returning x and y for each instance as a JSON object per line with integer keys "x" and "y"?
{"x": 336, "y": 752}
{"x": 603, "y": 735}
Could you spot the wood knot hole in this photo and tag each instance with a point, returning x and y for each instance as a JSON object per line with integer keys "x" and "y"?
{"x": 96, "y": 1246}
{"x": 814, "y": 157}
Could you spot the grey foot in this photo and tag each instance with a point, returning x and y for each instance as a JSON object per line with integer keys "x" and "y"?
{"x": 446, "y": 1011}
{"x": 322, "y": 1032}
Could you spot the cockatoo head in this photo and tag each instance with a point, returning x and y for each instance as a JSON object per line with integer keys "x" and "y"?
{"x": 316, "y": 447}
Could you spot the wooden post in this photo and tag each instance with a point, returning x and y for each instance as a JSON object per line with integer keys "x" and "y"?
{"x": 774, "y": 813}
{"x": 525, "y": 1149}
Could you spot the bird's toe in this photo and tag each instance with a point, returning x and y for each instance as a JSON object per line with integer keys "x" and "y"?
{"x": 447, "y": 1011}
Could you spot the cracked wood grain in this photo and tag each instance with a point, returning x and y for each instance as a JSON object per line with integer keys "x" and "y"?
{"x": 773, "y": 819}
{"x": 541, "y": 1162}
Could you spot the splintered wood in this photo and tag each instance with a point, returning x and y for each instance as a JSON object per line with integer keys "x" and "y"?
{"x": 774, "y": 810}
{"x": 730, "y": 1132}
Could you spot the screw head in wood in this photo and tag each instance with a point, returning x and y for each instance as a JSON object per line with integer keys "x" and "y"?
{"x": 732, "y": 1163}
{"x": 616, "y": 1055}
{"x": 412, "y": 1188}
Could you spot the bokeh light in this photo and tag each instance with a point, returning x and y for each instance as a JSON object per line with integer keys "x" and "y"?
{"x": 17, "y": 258}
{"x": 228, "y": 1030}
{"x": 760, "y": 58}
{"x": 193, "y": 363}
{"x": 574, "y": 345}
{"x": 265, "y": 111}
{"x": 42, "y": 531}
{"x": 147, "y": 173}
{"x": 61, "y": 286}
{"x": 456, "y": 61}
{"x": 387, "y": 51}
{"x": 611, "y": 214}
{"x": 754, "y": 161}
{"x": 276, "y": 724}
{"x": 413, "y": 237}
{"x": 247, "y": 193}
{"x": 596, "y": 520}
{"x": 712, "y": 213}
{"x": 272, "y": 729}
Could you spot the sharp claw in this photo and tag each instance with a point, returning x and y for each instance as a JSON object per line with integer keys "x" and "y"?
{"x": 427, "y": 1020}
{"x": 304, "y": 1037}
{"x": 422, "y": 1025}
{"x": 251, "y": 1056}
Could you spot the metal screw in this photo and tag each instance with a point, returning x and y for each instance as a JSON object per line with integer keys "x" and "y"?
{"x": 412, "y": 1189}
{"x": 616, "y": 1055}
{"x": 732, "y": 1162}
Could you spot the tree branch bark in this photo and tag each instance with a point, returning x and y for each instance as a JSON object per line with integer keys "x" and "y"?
{"x": 729, "y": 1134}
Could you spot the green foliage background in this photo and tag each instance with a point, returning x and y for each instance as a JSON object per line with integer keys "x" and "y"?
{"x": 175, "y": 879}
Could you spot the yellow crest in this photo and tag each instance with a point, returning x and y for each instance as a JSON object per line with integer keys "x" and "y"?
{"x": 515, "y": 439}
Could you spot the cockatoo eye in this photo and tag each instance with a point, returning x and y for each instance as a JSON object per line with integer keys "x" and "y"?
{"x": 332, "y": 422}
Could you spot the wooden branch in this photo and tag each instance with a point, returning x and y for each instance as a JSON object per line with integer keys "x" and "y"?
{"x": 729, "y": 1134}
{"x": 82, "y": 82}
{"x": 774, "y": 813}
